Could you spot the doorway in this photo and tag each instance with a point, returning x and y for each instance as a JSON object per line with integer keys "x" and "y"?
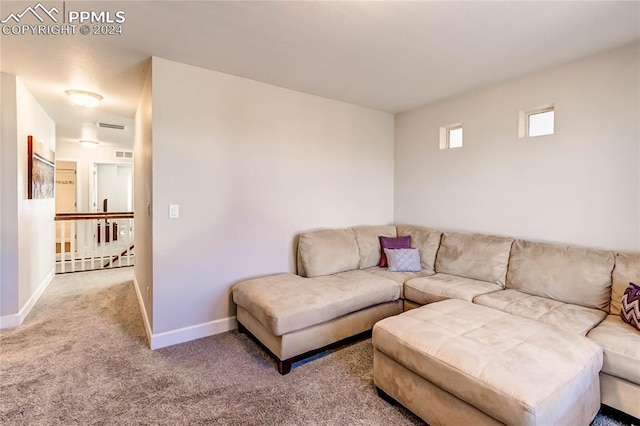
{"x": 66, "y": 199}
{"x": 102, "y": 237}
{"x": 112, "y": 182}
{"x": 112, "y": 192}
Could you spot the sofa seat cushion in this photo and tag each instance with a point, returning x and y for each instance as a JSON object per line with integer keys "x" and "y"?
{"x": 518, "y": 371}
{"x": 565, "y": 316}
{"x": 443, "y": 286}
{"x": 399, "y": 277}
{"x": 284, "y": 303}
{"x": 621, "y": 344}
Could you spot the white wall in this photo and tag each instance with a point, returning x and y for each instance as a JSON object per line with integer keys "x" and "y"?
{"x": 577, "y": 186}
{"x": 28, "y": 228}
{"x": 9, "y": 195}
{"x": 251, "y": 166}
{"x": 36, "y": 227}
{"x": 3, "y": 129}
{"x": 142, "y": 180}
{"x": 85, "y": 158}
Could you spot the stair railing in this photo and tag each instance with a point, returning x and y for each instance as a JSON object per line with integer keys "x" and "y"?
{"x": 91, "y": 241}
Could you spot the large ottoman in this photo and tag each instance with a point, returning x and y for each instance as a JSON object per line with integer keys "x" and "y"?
{"x": 453, "y": 362}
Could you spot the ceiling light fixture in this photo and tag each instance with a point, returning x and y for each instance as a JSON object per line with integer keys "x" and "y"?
{"x": 89, "y": 144}
{"x": 84, "y": 99}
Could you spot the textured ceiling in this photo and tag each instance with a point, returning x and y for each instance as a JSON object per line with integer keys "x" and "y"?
{"x": 390, "y": 56}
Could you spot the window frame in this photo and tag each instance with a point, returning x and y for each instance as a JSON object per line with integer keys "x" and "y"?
{"x": 449, "y": 129}
{"x": 444, "y": 139}
{"x": 528, "y": 114}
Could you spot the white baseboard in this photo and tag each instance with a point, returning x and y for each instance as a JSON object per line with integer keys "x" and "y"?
{"x": 181, "y": 335}
{"x": 10, "y": 321}
{"x": 14, "y": 320}
{"x": 193, "y": 332}
{"x": 143, "y": 310}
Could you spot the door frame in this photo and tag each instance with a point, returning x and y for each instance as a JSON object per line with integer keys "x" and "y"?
{"x": 93, "y": 182}
{"x": 63, "y": 238}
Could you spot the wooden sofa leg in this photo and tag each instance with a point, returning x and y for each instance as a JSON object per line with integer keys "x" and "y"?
{"x": 382, "y": 394}
{"x": 242, "y": 329}
{"x": 284, "y": 367}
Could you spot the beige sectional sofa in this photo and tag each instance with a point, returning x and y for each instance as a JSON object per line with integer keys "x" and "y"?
{"x": 339, "y": 292}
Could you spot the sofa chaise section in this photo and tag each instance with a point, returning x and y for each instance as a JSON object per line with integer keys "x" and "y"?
{"x": 284, "y": 303}
{"x": 292, "y": 316}
{"x": 332, "y": 298}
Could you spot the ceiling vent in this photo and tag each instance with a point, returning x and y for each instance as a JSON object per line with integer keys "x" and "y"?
{"x": 124, "y": 154}
{"x": 111, "y": 126}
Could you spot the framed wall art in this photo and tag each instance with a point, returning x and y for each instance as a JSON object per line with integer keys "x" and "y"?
{"x": 41, "y": 170}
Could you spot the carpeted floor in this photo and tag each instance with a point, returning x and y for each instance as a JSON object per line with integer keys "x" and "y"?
{"x": 81, "y": 358}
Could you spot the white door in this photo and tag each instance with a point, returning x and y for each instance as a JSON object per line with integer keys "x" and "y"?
{"x": 93, "y": 188}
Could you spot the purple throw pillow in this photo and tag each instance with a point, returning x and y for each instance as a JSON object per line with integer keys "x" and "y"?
{"x": 630, "y": 309}
{"x": 392, "y": 243}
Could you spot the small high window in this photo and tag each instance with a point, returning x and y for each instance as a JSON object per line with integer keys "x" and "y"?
{"x": 451, "y": 136}
{"x": 454, "y": 137}
{"x": 538, "y": 122}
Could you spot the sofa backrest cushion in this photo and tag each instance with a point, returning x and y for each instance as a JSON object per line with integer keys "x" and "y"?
{"x": 328, "y": 252}
{"x": 369, "y": 243}
{"x": 426, "y": 240}
{"x": 475, "y": 256}
{"x": 627, "y": 270}
{"x": 570, "y": 274}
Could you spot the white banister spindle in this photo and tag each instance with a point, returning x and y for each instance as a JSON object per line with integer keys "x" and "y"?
{"x": 83, "y": 243}
{"x": 63, "y": 245}
{"x": 95, "y": 226}
{"x": 131, "y": 240}
{"x": 72, "y": 246}
{"x": 100, "y": 253}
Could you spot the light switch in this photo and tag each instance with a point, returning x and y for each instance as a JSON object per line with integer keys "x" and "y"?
{"x": 174, "y": 211}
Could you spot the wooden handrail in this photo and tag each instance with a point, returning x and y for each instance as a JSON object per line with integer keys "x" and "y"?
{"x": 94, "y": 216}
